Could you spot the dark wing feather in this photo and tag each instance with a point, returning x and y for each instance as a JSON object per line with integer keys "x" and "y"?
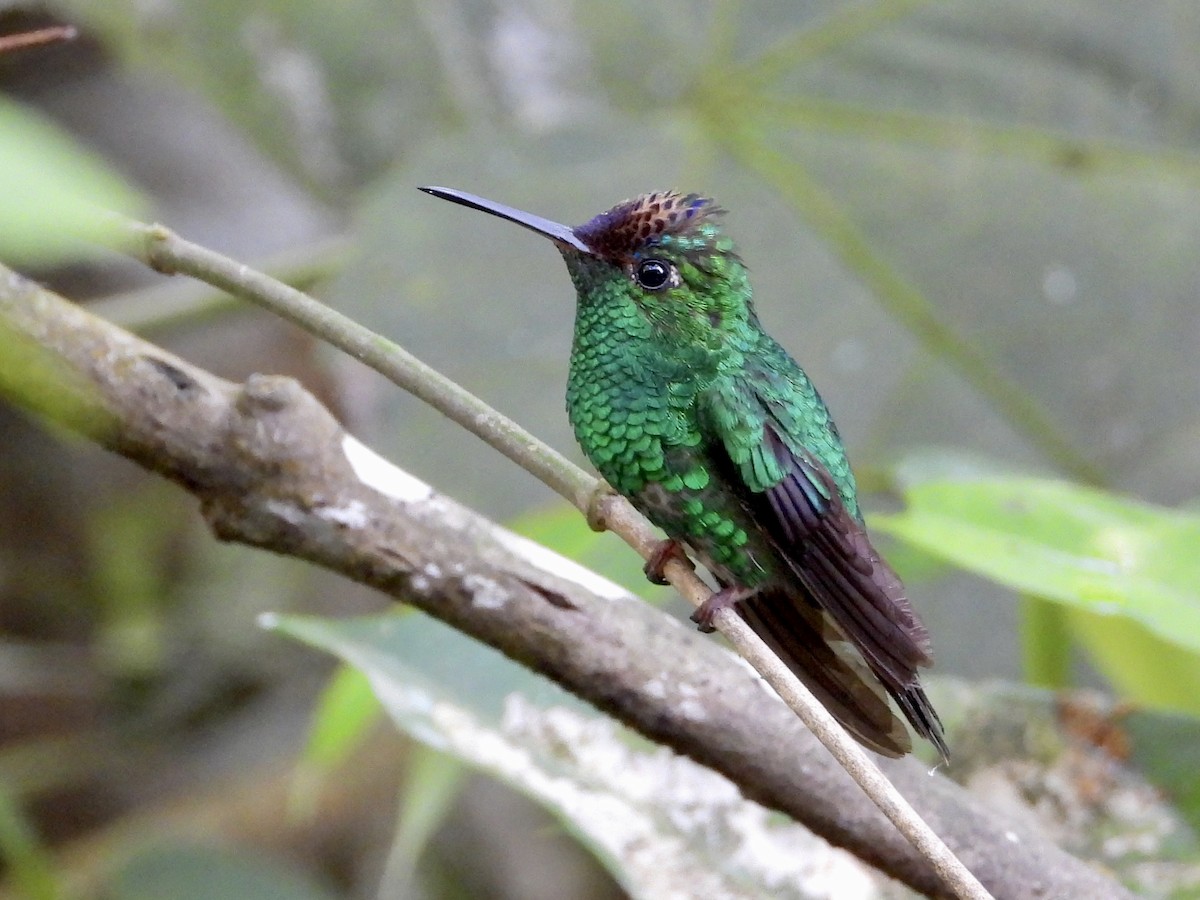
{"x": 830, "y": 553}
{"x": 830, "y": 556}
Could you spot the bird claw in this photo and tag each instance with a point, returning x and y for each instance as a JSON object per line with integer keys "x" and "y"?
{"x": 663, "y": 553}
{"x": 726, "y": 598}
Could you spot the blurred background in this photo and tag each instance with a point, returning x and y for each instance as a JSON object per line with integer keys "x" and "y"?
{"x": 975, "y": 225}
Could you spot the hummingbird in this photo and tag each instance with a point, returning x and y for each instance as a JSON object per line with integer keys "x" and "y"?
{"x": 689, "y": 409}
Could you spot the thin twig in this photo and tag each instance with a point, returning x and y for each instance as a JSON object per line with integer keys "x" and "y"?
{"x": 169, "y": 305}
{"x": 39, "y": 38}
{"x": 168, "y": 253}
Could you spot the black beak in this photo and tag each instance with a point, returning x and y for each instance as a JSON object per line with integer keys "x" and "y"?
{"x": 560, "y": 234}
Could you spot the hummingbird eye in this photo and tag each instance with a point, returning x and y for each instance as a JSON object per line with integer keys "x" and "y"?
{"x": 655, "y": 274}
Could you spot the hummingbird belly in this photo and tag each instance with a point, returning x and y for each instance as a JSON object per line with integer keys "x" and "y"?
{"x": 714, "y": 526}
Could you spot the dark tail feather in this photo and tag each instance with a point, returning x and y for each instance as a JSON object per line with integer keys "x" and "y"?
{"x": 808, "y": 642}
{"x": 915, "y": 705}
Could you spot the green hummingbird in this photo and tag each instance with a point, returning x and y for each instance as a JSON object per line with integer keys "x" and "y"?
{"x": 693, "y": 412}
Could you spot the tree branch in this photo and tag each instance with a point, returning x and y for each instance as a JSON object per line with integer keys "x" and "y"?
{"x": 273, "y": 469}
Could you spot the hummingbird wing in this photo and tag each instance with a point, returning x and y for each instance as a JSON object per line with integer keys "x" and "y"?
{"x": 794, "y": 500}
{"x": 831, "y": 556}
{"x": 829, "y": 551}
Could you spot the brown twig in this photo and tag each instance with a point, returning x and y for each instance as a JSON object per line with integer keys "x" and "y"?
{"x": 42, "y": 36}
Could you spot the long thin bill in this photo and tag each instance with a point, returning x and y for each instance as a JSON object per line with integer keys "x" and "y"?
{"x": 562, "y": 234}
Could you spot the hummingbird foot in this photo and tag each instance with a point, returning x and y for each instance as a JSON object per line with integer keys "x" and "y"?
{"x": 664, "y": 552}
{"x": 726, "y": 598}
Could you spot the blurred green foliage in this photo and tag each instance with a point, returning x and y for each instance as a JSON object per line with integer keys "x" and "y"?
{"x": 1126, "y": 571}
{"x": 59, "y": 199}
{"x": 974, "y": 224}
{"x": 32, "y": 870}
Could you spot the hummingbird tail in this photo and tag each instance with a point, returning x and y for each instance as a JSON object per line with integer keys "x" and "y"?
{"x": 914, "y": 703}
{"x": 816, "y": 651}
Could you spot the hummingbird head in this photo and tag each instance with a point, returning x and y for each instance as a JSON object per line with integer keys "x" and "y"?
{"x": 662, "y": 255}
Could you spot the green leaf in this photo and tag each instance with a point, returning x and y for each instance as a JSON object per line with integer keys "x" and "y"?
{"x": 1140, "y": 664}
{"x": 346, "y": 709}
{"x": 57, "y": 196}
{"x": 432, "y": 784}
{"x": 1129, "y": 571}
{"x": 663, "y": 825}
{"x": 1045, "y": 643}
{"x": 345, "y": 712}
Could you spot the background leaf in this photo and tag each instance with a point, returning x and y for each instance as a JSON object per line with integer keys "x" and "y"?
{"x": 1123, "y": 567}
{"x": 58, "y": 197}
{"x": 663, "y": 825}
